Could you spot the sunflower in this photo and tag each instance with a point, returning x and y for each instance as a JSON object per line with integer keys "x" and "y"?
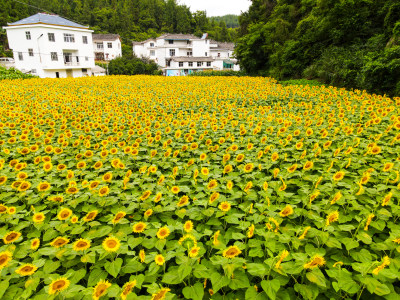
{"x": 61, "y": 167}
{"x": 59, "y": 242}
{"x": 163, "y": 232}
{"x": 11, "y": 210}
{"x": 212, "y": 184}
{"x": 139, "y": 227}
{"x": 58, "y": 285}
{"x": 118, "y": 217}
{"x": 81, "y": 245}
{"x": 316, "y": 261}
{"x": 375, "y": 150}
{"x": 194, "y": 251}
{"x": 248, "y": 167}
{"x": 107, "y": 177}
{"x": 214, "y": 196}
{"x": 332, "y": 217}
{"x": 127, "y": 289}
{"x": 240, "y": 157}
{"x": 90, "y": 216}
{"x": 3, "y": 209}
{"x": 104, "y": 191}
{"x": 225, "y": 206}
{"x": 386, "y": 199}
{"x": 64, "y": 214}
{"x": 145, "y": 195}
{"x": 26, "y": 270}
{"x": 5, "y": 258}
{"x": 205, "y": 171}
{"x": 71, "y": 190}
{"x": 338, "y": 176}
{"x": 175, "y": 189}
{"x": 35, "y": 243}
{"x": 292, "y": 168}
{"x": 142, "y": 255}
{"x": 308, "y": 165}
{"x": 159, "y": 259}
{"x": 25, "y": 185}
{"x": 58, "y": 199}
{"x": 188, "y": 226}
{"x": 43, "y": 186}
{"x": 203, "y": 156}
{"x": 48, "y": 166}
{"x": 274, "y": 156}
{"x": 336, "y": 198}
{"x": 38, "y": 217}
{"x": 231, "y": 252}
{"x": 3, "y": 180}
{"x": 97, "y": 165}
{"x": 183, "y": 201}
{"x": 287, "y": 211}
{"x": 229, "y": 185}
{"x": 93, "y": 184}
{"x": 250, "y": 232}
{"x": 227, "y": 169}
{"x": 20, "y": 176}
{"x": 100, "y": 289}
{"x": 11, "y": 237}
{"x": 111, "y": 244}
{"x": 148, "y": 213}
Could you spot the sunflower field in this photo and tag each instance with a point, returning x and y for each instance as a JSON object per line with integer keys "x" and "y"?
{"x": 197, "y": 188}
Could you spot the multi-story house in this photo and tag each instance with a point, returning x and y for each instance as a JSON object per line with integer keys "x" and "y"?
{"x": 107, "y": 46}
{"x": 50, "y": 46}
{"x": 182, "y": 54}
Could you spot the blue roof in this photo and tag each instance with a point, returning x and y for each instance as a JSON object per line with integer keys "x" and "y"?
{"x": 47, "y": 19}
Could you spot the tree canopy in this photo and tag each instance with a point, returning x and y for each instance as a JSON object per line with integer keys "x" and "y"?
{"x": 350, "y": 43}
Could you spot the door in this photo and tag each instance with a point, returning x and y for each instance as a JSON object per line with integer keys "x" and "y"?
{"x": 69, "y": 73}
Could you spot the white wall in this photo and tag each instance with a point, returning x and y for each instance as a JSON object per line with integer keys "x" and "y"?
{"x": 109, "y": 53}
{"x": 41, "y": 60}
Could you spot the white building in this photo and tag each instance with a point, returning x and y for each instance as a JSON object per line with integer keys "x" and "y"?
{"x": 50, "y": 46}
{"x": 182, "y": 54}
{"x": 107, "y": 46}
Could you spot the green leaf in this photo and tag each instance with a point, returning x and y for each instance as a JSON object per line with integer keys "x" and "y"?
{"x": 350, "y": 243}
{"x": 95, "y": 276}
{"x": 251, "y": 293}
{"x": 218, "y": 281}
{"x": 183, "y": 271}
{"x": 308, "y": 291}
{"x": 3, "y": 287}
{"x": 239, "y": 281}
{"x": 271, "y": 287}
{"x": 256, "y": 269}
{"x": 317, "y": 277}
{"x": 195, "y": 292}
{"x": 201, "y": 271}
{"x": 114, "y": 267}
{"x": 50, "y": 266}
{"x": 171, "y": 278}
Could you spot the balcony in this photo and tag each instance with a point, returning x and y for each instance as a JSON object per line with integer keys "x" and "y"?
{"x": 71, "y": 60}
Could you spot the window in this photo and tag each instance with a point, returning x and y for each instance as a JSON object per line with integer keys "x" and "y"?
{"x": 206, "y": 54}
{"x": 69, "y": 38}
{"x": 171, "y": 52}
{"x": 33, "y": 71}
{"x": 190, "y": 53}
{"x": 20, "y": 56}
{"x": 109, "y": 45}
{"x": 84, "y": 39}
{"x": 151, "y": 44}
{"x": 209, "y": 64}
{"x": 51, "y": 37}
{"x": 86, "y": 58}
{"x": 54, "y": 56}
{"x": 168, "y": 63}
{"x": 57, "y": 74}
{"x": 180, "y": 64}
{"x": 84, "y": 70}
{"x": 190, "y": 64}
{"x": 171, "y": 42}
{"x": 100, "y": 46}
{"x": 152, "y": 53}
{"x": 28, "y": 35}
{"x": 199, "y": 64}
{"x": 30, "y": 51}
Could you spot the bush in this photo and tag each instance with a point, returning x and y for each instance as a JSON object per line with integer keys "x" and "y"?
{"x": 219, "y": 73}
{"x": 132, "y": 65}
{"x": 13, "y": 74}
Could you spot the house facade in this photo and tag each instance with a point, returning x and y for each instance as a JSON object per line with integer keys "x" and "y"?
{"x": 50, "y": 46}
{"x": 182, "y": 54}
{"x": 106, "y": 46}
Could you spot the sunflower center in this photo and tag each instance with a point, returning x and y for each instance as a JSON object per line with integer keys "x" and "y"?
{"x": 111, "y": 244}
{"x": 3, "y": 259}
{"x": 11, "y": 236}
{"x": 59, "y": 284}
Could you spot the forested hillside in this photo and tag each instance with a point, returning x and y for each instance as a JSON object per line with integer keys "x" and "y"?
{"x": 350, "y": 43}
{"x": 133, "y": 20}
{"x": 231, "y": 21}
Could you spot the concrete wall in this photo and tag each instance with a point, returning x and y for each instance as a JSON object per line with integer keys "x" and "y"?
{"x": 41, "y": 60}
{"x": 109, "y": 53}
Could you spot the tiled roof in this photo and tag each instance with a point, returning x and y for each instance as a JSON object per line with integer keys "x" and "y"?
{"x": 222, "y": 45}
{"x": 191, "y": 58}
{"x": 42, "y": 18}
{"x": 105, "y": 37}
{"x": 177, "y": 36}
